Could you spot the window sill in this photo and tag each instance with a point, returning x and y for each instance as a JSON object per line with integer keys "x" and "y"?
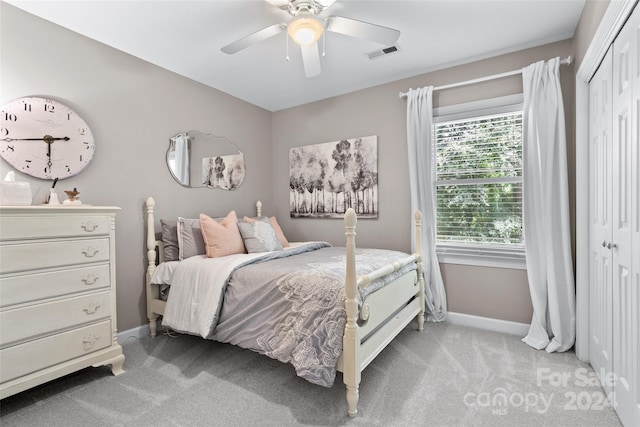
{"x": 485, "y": 256}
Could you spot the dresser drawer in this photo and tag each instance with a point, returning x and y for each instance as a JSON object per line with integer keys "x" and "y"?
{"x": 24, "y": 288}
{"x": 32, "y": 356}
{"x": 31, "y": 256}
{"x": 24, "y": 323}
{"x": 47, "y": 226}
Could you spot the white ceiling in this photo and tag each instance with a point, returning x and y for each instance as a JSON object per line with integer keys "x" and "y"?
{"x": 186, "y": 36}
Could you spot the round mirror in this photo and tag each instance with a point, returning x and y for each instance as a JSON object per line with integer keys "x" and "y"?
{"x": 196, "y": 159}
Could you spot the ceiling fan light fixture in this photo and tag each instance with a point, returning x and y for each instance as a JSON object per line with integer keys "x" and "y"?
{"x": 305, "y": 29}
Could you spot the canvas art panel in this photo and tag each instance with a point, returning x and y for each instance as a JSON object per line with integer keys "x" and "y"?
{"x": 327, "y": 179}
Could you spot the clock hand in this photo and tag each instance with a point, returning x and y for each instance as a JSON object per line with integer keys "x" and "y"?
{"x": 44, "y": 138}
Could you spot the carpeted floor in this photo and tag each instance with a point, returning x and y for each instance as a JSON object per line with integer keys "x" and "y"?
{"x": 445, "y": 376}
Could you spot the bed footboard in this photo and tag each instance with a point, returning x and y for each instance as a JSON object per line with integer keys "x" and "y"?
{"x": 385, "y": 312}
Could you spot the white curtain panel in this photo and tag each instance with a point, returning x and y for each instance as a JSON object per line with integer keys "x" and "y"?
{"x": 546, "y": 210}
{"x": 421, "y": 177}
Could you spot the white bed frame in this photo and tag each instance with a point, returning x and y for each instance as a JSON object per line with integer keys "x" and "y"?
{"x": 383, "y": 315}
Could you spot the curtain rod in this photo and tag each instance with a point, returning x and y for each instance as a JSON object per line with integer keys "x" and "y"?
{"x": 565, "y": 61}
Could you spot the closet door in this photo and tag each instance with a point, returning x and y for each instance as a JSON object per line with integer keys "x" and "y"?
{"x": 634, "y": 289}
{"x": 600, "y": 213}
{"x": 626, "y": 329}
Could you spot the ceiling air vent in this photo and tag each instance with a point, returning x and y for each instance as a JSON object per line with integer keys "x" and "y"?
{"x": 382, "y": 52}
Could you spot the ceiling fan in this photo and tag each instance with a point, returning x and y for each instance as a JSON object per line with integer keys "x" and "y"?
{"x": 306, "y": 26}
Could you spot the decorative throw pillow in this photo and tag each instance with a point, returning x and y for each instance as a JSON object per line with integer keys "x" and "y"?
{"x": 221, "y": 238}
{"x": 259, "y": 236}
{"x": 190, "y": 242}
{"x": 170, "y": 251}
{"x": 276, "y": 227}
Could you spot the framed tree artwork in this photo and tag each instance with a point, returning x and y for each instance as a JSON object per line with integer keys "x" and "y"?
{"x": 327, "y": 179}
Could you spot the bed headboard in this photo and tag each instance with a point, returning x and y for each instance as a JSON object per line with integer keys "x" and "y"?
{"x": 155, "y": 253}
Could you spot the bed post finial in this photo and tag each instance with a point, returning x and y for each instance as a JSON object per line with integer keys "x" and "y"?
{"x": 351, "y": 339}
{"x": 258, "y": 208}
{"x": 350, "y": 218}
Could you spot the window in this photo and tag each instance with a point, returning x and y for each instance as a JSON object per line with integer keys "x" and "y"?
{"x": 478, "y": 183}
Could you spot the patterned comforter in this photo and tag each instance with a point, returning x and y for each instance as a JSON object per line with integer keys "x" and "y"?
{"x": 288, "y": 305}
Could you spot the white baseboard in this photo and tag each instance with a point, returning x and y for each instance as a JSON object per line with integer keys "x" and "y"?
{"x": 134, "y": 333}
{"x": 496, "y": 325}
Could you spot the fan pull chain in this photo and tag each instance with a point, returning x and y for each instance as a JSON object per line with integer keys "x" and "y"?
{"x": 287, "y": 37}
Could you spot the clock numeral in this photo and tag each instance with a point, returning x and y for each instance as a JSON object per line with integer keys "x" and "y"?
{"x": 4, "y": 131}
{"x": 69, "y": 116}
{"x": 27, "y": 163}
{"x": 27, "y": 107}
{"x": 82, "y": 132}
{"x": 10, "y": 117}
{"x": 49, "y": 108}
{"x": 87, "y": 145}
{"x": 11, "y": 148}
{"x": 80, "y": 157}
{"x": 68, "y": 168}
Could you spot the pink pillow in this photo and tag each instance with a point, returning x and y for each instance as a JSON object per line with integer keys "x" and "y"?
{"x": 276, "y": 227}
{"x": 221, "y": 238}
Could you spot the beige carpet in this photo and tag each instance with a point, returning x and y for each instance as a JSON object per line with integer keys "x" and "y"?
{"x": 445, "y": 376}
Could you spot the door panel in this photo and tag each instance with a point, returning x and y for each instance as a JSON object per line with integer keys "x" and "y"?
{"x": 601, "y": 277}
{"x": 626, "y": 259}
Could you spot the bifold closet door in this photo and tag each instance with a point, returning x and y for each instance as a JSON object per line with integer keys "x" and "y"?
{"x": 600, "y": 212}
{"x": 625, "y": 222}
{"x": 614, "y": 222}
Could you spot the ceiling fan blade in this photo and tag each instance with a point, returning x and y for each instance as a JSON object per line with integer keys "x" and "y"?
{"x": 282, "y": 4}
{"x": 254, "y": 38}
{"x": 325, "y": 3}
{"x": 311, "y": 59}
{"x": 364, "y": 30}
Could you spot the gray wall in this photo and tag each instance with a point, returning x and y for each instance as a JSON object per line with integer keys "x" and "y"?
{"x": 491, "y": 292}
{"x": 590, "y": 18}
{"x": 133, "y": 108}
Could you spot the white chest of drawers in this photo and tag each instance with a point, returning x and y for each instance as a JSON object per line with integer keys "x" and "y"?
{"x": 57, "y": 293}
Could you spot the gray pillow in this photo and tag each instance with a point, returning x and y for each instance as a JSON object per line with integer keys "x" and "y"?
{"x": 259, "y": 236}
{"x": 190, "y": 241}
{"x": 170, "y": 250}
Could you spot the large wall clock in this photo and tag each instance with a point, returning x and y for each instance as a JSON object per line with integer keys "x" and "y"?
{"x": 44, "y": 138}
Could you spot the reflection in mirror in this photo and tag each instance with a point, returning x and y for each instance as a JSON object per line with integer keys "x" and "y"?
{"x": 178, "y": 158}
{"x": 196, "y": 159}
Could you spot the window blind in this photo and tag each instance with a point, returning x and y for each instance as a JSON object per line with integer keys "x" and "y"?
{"x": 479, "y": 179}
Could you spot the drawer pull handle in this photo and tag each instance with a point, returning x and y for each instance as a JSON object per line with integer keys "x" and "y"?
{"x": 91, "y": 308}
{"x": 89, "y": 226}
{"x": 89, "y": 341}
{"x": 90, "y": 279}
{"x": 90, "y": 251}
